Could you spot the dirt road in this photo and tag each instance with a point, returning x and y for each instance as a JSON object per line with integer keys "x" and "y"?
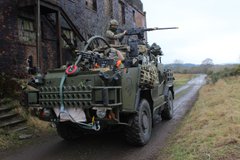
{"x": 112, "y": 145}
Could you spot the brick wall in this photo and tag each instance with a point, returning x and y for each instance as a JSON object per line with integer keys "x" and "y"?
{"x": 89, "y": 22}
{"x": 12, "y": 54}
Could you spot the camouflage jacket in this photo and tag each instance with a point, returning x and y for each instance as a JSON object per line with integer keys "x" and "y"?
{"x": 113, "y": 38}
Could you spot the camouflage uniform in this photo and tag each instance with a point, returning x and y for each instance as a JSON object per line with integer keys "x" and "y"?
{"x": 115, "y": 54}
{"x": 111, "y": 33}
{"x": 113, "y": 39}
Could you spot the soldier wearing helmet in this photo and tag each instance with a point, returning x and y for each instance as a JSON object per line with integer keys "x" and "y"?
{"x": 112, "y": 35}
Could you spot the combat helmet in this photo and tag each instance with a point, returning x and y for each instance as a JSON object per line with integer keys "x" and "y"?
{"x": 113, "y": 22}
{"x": 156, "y": 50}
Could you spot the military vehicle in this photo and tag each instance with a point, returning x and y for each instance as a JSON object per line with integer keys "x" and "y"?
{"x": 98, "y": 92}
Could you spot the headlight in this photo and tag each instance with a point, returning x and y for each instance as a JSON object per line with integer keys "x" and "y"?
{"x": 32, "y": 97}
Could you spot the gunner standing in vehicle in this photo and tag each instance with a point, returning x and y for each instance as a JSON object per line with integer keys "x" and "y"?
{"x": 112, "y": 35}
{"x": 113, "y": 39}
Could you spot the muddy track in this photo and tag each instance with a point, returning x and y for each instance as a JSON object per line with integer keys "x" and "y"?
{"x": 110, "y": 145}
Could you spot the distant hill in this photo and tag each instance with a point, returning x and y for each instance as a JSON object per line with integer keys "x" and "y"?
{"x": 196, "y": 68}
{"x": 184, "y": 65}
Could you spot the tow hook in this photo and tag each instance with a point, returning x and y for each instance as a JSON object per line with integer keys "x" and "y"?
{"x": 96, "y": 126}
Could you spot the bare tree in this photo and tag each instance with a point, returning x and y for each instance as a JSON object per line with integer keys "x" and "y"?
{"x": 206, "y": 64}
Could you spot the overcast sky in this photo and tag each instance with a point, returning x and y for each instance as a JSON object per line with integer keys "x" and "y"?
{"x": 207, "y": 29}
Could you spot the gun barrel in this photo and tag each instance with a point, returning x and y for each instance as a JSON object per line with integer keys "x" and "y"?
{"x": 157, "y": 28}
{"x": 166, "y": 28}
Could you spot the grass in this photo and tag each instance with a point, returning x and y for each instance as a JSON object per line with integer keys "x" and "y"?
{"x": 182, "y": 79}
{"x": 212, "y": 129}
{"x": 8, "y": 140}
{"x": 182, "y": 93}
{"x": 36, "y": 127}
{"x": 33, "y": 122}
{"x": 39, "y": 126}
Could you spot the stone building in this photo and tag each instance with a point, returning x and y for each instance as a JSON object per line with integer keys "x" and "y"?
{"x": 42, "y": 33}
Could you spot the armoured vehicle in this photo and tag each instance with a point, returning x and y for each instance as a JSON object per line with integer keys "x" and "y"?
{"x": 98, "y": 92}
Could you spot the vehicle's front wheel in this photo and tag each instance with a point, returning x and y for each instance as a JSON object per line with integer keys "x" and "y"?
{"x": 68, "y": 130}
{"x": 167, "y": 113}
{"x": 140, "y": 129}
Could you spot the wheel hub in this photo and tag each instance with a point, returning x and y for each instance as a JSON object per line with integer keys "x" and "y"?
{"x": 145, "y": 124}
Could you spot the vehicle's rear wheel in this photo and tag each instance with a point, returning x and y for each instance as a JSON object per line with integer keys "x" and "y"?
{"x": 140, "y": 129}
{"x": 167, "y": 113}
{"x": 68, "y": 130}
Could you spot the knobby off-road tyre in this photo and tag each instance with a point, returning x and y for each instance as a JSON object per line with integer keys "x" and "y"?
{"x": 167, "y": 113}
{"x": 140, "y": 129}
{"x": 68, "y": 131}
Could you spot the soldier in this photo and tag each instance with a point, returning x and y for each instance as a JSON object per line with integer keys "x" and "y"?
{"x": 113, "y": 39}
{"x": 112, "y": 35}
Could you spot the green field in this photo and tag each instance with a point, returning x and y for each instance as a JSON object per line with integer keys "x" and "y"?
{"x": 212, "y": 129}
{"x": 182, "y": 79}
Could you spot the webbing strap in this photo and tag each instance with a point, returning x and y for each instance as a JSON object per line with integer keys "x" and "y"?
{"x": 61, "y": 92}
